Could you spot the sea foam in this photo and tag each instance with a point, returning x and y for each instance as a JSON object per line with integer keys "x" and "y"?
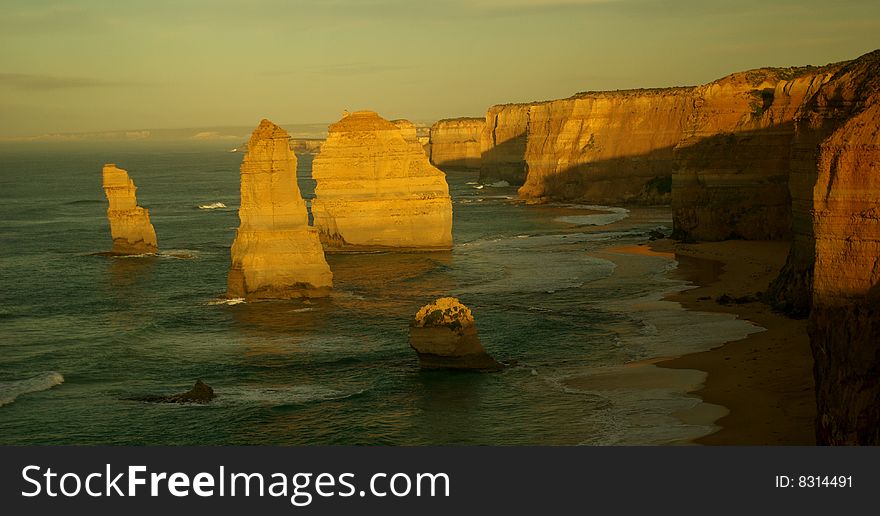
{"x": 11, "y": 390}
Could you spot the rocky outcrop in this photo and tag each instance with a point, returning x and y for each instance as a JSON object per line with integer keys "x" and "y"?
{"x": 275, "y": 254}
{"x": 839, "y": 134}
{"x": 200, "y": 393}
{"x": 130, "y": 225}
{"x": 444, "y": 336}
{"x": 377, "y": 190}
{"x": 455, "y": 143}
{"x": 732, "y": 166}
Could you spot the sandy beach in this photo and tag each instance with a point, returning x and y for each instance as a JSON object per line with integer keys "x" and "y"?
{"x": 765, "y": 380}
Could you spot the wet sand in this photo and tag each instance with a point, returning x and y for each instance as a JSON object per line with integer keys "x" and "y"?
{"x": 765, "y": 380}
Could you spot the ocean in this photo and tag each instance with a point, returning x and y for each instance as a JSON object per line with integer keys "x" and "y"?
{"x": 80, "y": 332}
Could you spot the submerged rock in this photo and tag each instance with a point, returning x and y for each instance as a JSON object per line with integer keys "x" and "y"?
{"x": 276, "y": 254}
{"x": 376, "y": 188}
{"x": 445, "y": 337}
{"x": 130, "y": 225}
{"x": 200, "y": 393}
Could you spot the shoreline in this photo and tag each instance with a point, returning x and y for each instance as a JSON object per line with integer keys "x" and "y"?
{"x": 764, "y": 380}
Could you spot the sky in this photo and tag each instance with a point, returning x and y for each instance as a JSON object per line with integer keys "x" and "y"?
{"x": 98, "y": 65}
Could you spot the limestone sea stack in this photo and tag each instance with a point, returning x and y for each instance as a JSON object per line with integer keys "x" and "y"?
{"x": 444, "y": 335}
{"x": 130, "y": 225}
{"x": 377, "y": 190}
{"x": 276, "y": 255}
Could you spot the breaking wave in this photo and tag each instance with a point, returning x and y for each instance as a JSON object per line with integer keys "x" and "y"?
{"x": 228, "y": 302}
{"x": 11, "y": 390}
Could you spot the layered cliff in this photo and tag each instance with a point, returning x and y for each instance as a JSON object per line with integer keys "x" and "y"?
{"x": 732, "y": 166}
{"x": 503, "y": 144}
{"x": 275, "y": 254}
{"x": 455, "y": 143}
{"x": 130, "y": 225}
{"x": 605, "y": 147}
{"x": 376, "y": 189}
{"x": 719, "y": 152}
{"x": 839, "y": 135}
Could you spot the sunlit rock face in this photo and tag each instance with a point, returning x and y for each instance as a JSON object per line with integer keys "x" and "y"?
{"x": 732, "y": 166}
{"x": 455, "y": 143}
{"x": 276, "y": 255}
{"x": 845, "y": 213}
{"x": 719, "y": 152}
{"x": 444, "y": 336}
{"x": 130, "y": 225}
{"x": 375, "y": 189}
{"x": 605, "y": 147}
{"x": 407, "y": 130}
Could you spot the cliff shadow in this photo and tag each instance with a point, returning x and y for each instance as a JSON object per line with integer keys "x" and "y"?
{"x": 505, "y": 161}
{"x": 731, "y": 185}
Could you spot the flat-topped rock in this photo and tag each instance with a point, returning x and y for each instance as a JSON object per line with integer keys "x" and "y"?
{"x": 377, "y": 190}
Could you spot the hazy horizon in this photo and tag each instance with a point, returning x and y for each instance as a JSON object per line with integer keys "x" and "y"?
{"x": 102, "y": 66}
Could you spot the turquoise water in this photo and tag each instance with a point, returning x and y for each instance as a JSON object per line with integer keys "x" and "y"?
{"x": 80, "y": 332}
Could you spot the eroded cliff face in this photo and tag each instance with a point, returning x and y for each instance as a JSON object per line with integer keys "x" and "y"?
{"x": 719, "y": 152}
{"x": 276, "y": 255}
{"x": 605, "y": 147}
{"x": 503, "y": 144}
{"x": 130, "y": 225}
{"x": 732, "y": 165}
{"x": 845, "y": 214}
{"x": 376, "y": 189}
{"x": 455, "y": 143}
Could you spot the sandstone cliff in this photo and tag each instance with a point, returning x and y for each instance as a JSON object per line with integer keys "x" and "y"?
{"x": 130, "y": 225}
{"x": 407, "y": 130}
{"x": 503, "y": 144}
{"x": 724, "y": 145}
{"x": 444, "y": 336}
{"x": 836, "y": 254}
{"x": 605, "y": 147}
{"x": 732, "y": 166}
{"x": 455, "y": 143}
{"x": 275, "y": 254}
{"x": 377, "y": 190}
